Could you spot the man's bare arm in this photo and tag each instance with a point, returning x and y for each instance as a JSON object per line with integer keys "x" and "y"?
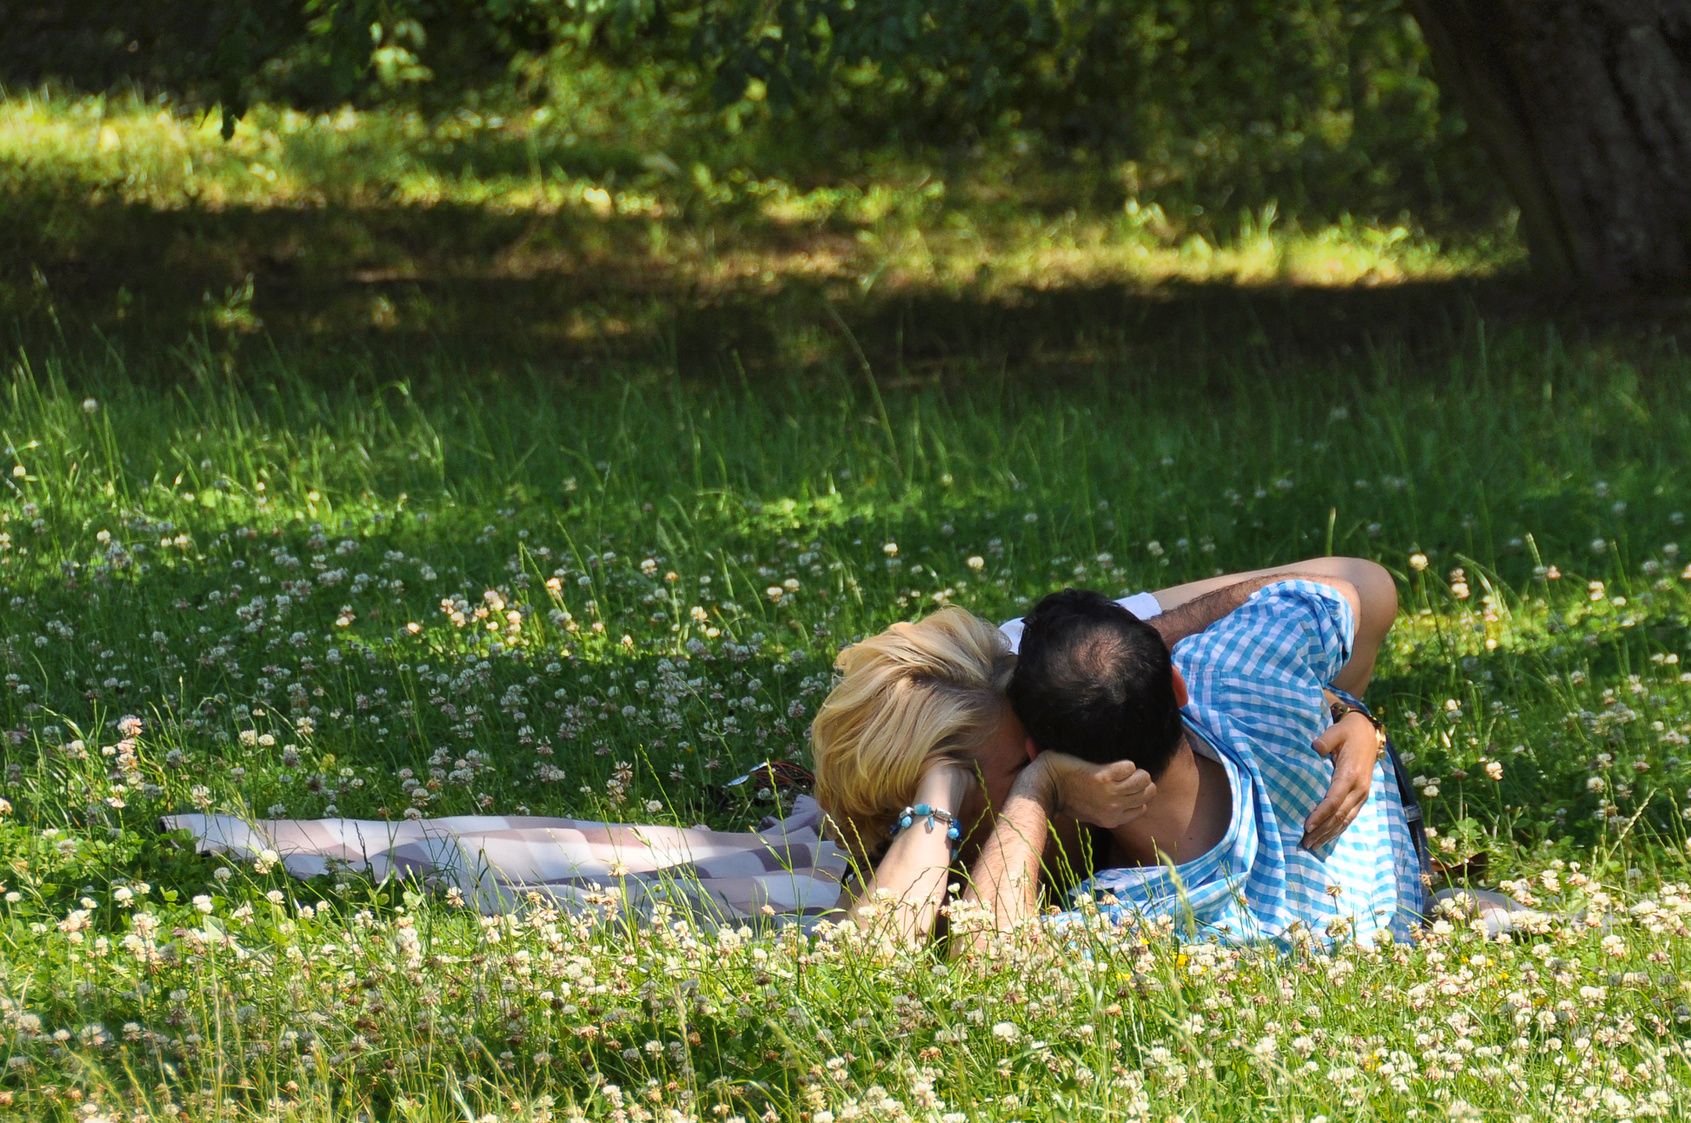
{"x": 1005, "y": 878}
{"x": 1190, "y": 617}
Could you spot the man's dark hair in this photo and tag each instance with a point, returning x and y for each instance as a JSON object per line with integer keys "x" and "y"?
{"x": 1095, "y": 681}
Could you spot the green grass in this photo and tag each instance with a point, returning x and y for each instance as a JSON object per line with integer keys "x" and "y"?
{"x": 301, "y": 429}
{"x": 159, "y": 504}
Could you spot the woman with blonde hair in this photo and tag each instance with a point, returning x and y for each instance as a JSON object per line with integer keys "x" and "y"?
{"x": 918, "y": 733}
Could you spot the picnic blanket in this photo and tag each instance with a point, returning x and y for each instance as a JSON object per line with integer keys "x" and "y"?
{"x": 496, "y": 861}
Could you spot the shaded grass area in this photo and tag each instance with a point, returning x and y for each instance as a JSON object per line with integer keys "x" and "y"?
{"x": 557, "y": 241}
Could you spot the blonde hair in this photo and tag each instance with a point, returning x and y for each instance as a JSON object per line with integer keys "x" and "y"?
{"x": 907, "y": 697}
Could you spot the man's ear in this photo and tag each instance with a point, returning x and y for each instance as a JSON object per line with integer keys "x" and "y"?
{"x": 1181, "y": 697}
{"x": 1032, "y": 749}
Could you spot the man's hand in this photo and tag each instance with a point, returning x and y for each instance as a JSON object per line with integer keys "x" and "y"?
{"x": 1105, "y": 795}
{"x": 1354, "y": 746}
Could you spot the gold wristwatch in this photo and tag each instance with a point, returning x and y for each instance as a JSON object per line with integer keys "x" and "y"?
{"x": 1340, "y": 709}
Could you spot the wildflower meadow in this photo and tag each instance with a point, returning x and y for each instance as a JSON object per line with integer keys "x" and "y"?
{"x": 532, "y": 445}
{"x": 311, "y": 584}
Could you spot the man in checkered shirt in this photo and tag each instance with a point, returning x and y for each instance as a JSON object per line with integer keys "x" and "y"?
{"x": 1214, "y": 773}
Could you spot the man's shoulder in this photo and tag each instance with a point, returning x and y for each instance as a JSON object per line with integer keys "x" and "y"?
{"x": 1279, "y": 615}
{"x": 1259, "y": 674}
{"x": 1296, "y": 595}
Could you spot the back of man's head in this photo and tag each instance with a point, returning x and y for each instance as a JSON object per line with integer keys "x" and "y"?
{"x": 1095, "y": 681}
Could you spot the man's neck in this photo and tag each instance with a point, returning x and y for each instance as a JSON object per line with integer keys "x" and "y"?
{"x": 1186, "y": 818}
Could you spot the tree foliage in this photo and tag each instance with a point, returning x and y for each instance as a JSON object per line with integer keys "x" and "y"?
{"x": 1244, "y": 100}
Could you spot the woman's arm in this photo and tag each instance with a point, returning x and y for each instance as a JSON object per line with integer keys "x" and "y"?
{"x": 909, "y": 885}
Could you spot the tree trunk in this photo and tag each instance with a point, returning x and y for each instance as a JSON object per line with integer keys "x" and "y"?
{"x": 1585, "y": 108}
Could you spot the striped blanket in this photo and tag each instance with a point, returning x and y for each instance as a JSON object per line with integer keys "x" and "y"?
{"x": 497, "y": 861}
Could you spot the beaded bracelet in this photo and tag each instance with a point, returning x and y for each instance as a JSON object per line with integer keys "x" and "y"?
{"x": 911, "y": 814}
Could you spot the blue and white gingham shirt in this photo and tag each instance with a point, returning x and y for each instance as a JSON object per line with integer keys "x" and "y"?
{"x": 1255, "y": 679}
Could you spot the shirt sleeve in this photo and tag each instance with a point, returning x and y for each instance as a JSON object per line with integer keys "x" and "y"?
{"x": 1305, "y": 620}
{"x": 1264, "y": 665}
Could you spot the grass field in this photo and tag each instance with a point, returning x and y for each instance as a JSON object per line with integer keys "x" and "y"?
{"x": 378, "y": 568}
{"x": 303, "y": 593}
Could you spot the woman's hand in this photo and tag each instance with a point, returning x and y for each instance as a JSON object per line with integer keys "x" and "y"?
{"x": 946, "y": 786}
{"x": 1354, "y": 745}
{"x": 1105, "y": 795}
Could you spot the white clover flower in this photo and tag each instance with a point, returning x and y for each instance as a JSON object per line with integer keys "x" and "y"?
{"x": 203, "y": 903}
{"x": 90, "y": 405}
{"x": 1418, "y": 561}
{"x": 1006, "y": 1031}
{"x": 654, "y": 806}
{"x": 976, "y": 563}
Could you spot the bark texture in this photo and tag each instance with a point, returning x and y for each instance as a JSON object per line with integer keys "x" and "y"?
{"x": 1585, "y": 107}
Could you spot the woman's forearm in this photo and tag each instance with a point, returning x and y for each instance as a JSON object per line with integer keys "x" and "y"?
{"x": 908, "y": 888}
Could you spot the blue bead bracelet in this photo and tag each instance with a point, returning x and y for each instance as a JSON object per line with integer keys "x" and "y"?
{"x": 923, "y": 811}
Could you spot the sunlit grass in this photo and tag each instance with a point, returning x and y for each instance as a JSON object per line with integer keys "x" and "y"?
{"x": 322, "y": 582}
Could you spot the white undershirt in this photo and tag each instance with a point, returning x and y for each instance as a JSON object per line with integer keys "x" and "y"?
{"x": 1142, "y": 605}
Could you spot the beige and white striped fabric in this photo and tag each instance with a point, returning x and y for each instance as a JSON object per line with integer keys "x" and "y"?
{"x": 496, "y": 861}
